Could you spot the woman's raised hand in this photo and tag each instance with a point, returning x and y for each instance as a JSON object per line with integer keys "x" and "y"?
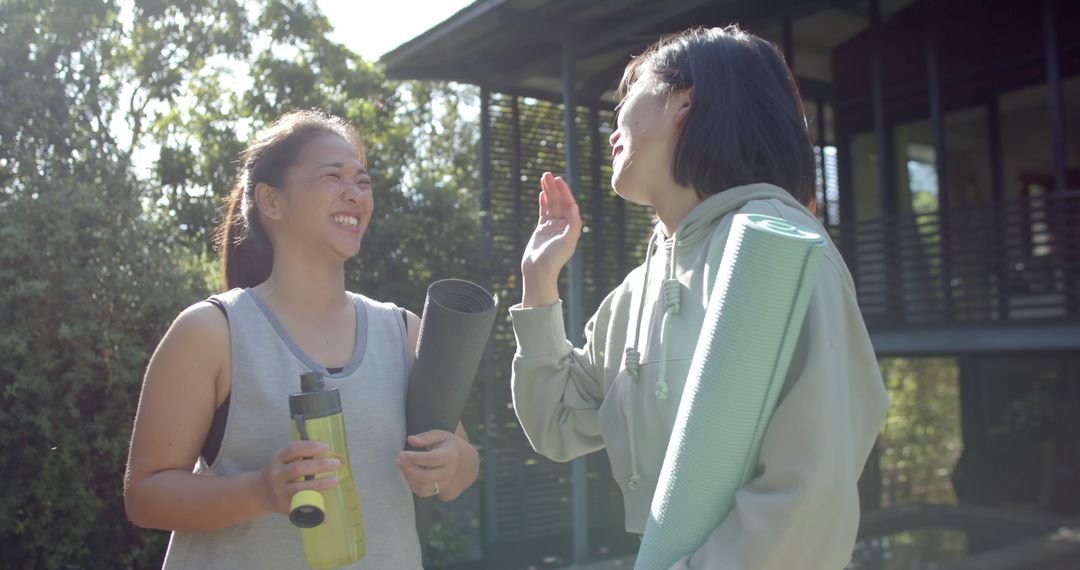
{"x": 552, "y": 243}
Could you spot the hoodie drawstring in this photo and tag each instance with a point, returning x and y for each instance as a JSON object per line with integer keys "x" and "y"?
{"x": 672, "y": 292}
{"x": 671, "y": 295}
{"x": 631, "y": 357}
{"x": 632, "y": 363}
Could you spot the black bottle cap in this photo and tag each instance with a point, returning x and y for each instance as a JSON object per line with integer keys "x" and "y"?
{"x": 312, "y": 382}
{"x": 315, "y": 399}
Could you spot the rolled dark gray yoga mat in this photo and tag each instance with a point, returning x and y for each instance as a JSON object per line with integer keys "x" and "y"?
{"x": 454, "y": 330}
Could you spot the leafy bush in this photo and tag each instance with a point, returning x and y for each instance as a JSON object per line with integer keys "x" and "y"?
{"x": 118, "y": 140}
{"x": 87, "y": 287}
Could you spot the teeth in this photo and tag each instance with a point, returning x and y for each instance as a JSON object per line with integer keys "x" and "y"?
{"x": 347, "y": 220}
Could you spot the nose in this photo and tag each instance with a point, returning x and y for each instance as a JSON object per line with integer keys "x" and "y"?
{"x": 614, "y": 138}
{"x": 356, "y": 192}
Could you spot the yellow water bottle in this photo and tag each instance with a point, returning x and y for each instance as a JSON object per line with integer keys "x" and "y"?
{"x": 331, "y": 522}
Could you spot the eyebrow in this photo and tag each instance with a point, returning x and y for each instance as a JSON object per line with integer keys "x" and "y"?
{"x": 340, "y": 164}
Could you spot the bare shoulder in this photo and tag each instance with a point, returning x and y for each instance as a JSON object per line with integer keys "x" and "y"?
{"x": 181, "y": 390}
{"x": 199, "y": 332}
{"x": 201, "y": 320}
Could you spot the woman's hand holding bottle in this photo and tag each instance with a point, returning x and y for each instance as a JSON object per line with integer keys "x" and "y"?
{"x": 286, "y": 473}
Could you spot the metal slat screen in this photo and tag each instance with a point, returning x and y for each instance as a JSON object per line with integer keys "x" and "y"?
{"x": 532, "y": 493}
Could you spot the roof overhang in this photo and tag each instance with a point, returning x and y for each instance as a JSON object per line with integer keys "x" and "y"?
{"x": 516, "y": 46}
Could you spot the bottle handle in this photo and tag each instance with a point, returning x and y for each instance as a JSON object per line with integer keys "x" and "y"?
{"x": 298, "y": 419}
{"x": 308, "y": 508}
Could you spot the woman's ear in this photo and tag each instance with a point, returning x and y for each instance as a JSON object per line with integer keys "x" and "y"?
{"x": 683, "y": 99}
{"x": 268, "y": 201}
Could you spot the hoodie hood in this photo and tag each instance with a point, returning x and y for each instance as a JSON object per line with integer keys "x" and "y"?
{"x": 699, "y": 222}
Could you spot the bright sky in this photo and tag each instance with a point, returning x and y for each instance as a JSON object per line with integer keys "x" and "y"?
{"x": 368, "y": 27}
{"x": 374, "y": 27}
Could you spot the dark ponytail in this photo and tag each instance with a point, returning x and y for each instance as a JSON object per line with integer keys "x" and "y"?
{"x": 247, "y": 255}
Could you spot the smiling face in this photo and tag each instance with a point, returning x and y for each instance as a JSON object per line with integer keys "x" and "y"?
{"x": 643, "y": 144}
{"x": 326, "y": 201}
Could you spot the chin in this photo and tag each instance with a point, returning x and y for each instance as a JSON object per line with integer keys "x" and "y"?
{"x": 354, "y": 248}
{"x": 347, "y": 250}
{"x": 346, "y": 255}
{"x": 628, "y": 192}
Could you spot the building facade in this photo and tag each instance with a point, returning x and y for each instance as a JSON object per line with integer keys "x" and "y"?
{"x": 948, "y": 134}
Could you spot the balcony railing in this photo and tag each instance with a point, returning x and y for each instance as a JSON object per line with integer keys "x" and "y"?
{"x": 1019, "y": 259}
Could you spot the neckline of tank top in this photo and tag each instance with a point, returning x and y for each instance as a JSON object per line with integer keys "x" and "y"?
{"x": 358, "y": 350}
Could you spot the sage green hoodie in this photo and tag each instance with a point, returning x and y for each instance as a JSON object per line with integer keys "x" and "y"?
{"x": 621, "y": 392}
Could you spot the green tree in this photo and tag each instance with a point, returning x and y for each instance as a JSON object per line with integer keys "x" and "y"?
{"x": 121, "y": 130}
{"x": 87, "y": 282}
{"x": 421, "y": 149}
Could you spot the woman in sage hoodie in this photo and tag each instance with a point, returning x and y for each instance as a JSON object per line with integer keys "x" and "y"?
{"x": 710, "y": 124}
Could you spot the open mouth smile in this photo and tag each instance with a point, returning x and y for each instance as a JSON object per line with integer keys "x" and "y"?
{"x": 347, "y": 222}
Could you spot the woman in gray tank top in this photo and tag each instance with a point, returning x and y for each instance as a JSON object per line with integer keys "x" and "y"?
{"x": 211, "y": 454}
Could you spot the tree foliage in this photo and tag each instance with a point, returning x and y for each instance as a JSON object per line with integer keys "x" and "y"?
{"x": 121, "y": 130}
{"x": 921, "y": 440}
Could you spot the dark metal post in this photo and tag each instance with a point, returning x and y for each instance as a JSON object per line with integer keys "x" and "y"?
{"x": 999, "y": 223}
{"x": 937, "y": 121}
{"x": 515, "y": 175}
{"x": 845, "y": 168}
{"x": 575, "y": 321}
{"x": 997, "y": 174}
{"x": 487, "y": 372}
{"x": 937, "y": 112}
{"x": 1053, "y": 86}
{"x": 881, "y": 127}
{"x": 889, "y": 202}
{"x": 485, "y": 160}
{"x": 1065, "y": 245}
{"x": 596, "y": 226}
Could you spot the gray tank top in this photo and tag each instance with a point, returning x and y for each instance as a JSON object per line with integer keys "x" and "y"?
{"x": 266, "y": 368}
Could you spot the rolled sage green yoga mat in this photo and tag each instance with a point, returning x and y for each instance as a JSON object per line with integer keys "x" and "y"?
{"x": 755, "y": 312}
{"x": 454, "y": 330}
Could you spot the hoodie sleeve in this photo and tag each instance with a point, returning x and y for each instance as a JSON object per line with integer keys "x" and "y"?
{"x": 802, "y": 508}
{"x": 557, "y": 388}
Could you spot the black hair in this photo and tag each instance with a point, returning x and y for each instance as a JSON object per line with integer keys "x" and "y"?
{"x": 746, "y": 121}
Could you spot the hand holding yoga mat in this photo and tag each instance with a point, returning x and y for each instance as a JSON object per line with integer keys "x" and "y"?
{"x": 752, "y": 322}
{"x": 454, "y": 330}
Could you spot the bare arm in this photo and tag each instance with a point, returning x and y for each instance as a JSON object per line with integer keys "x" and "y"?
{"x": 180, "y": 393}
